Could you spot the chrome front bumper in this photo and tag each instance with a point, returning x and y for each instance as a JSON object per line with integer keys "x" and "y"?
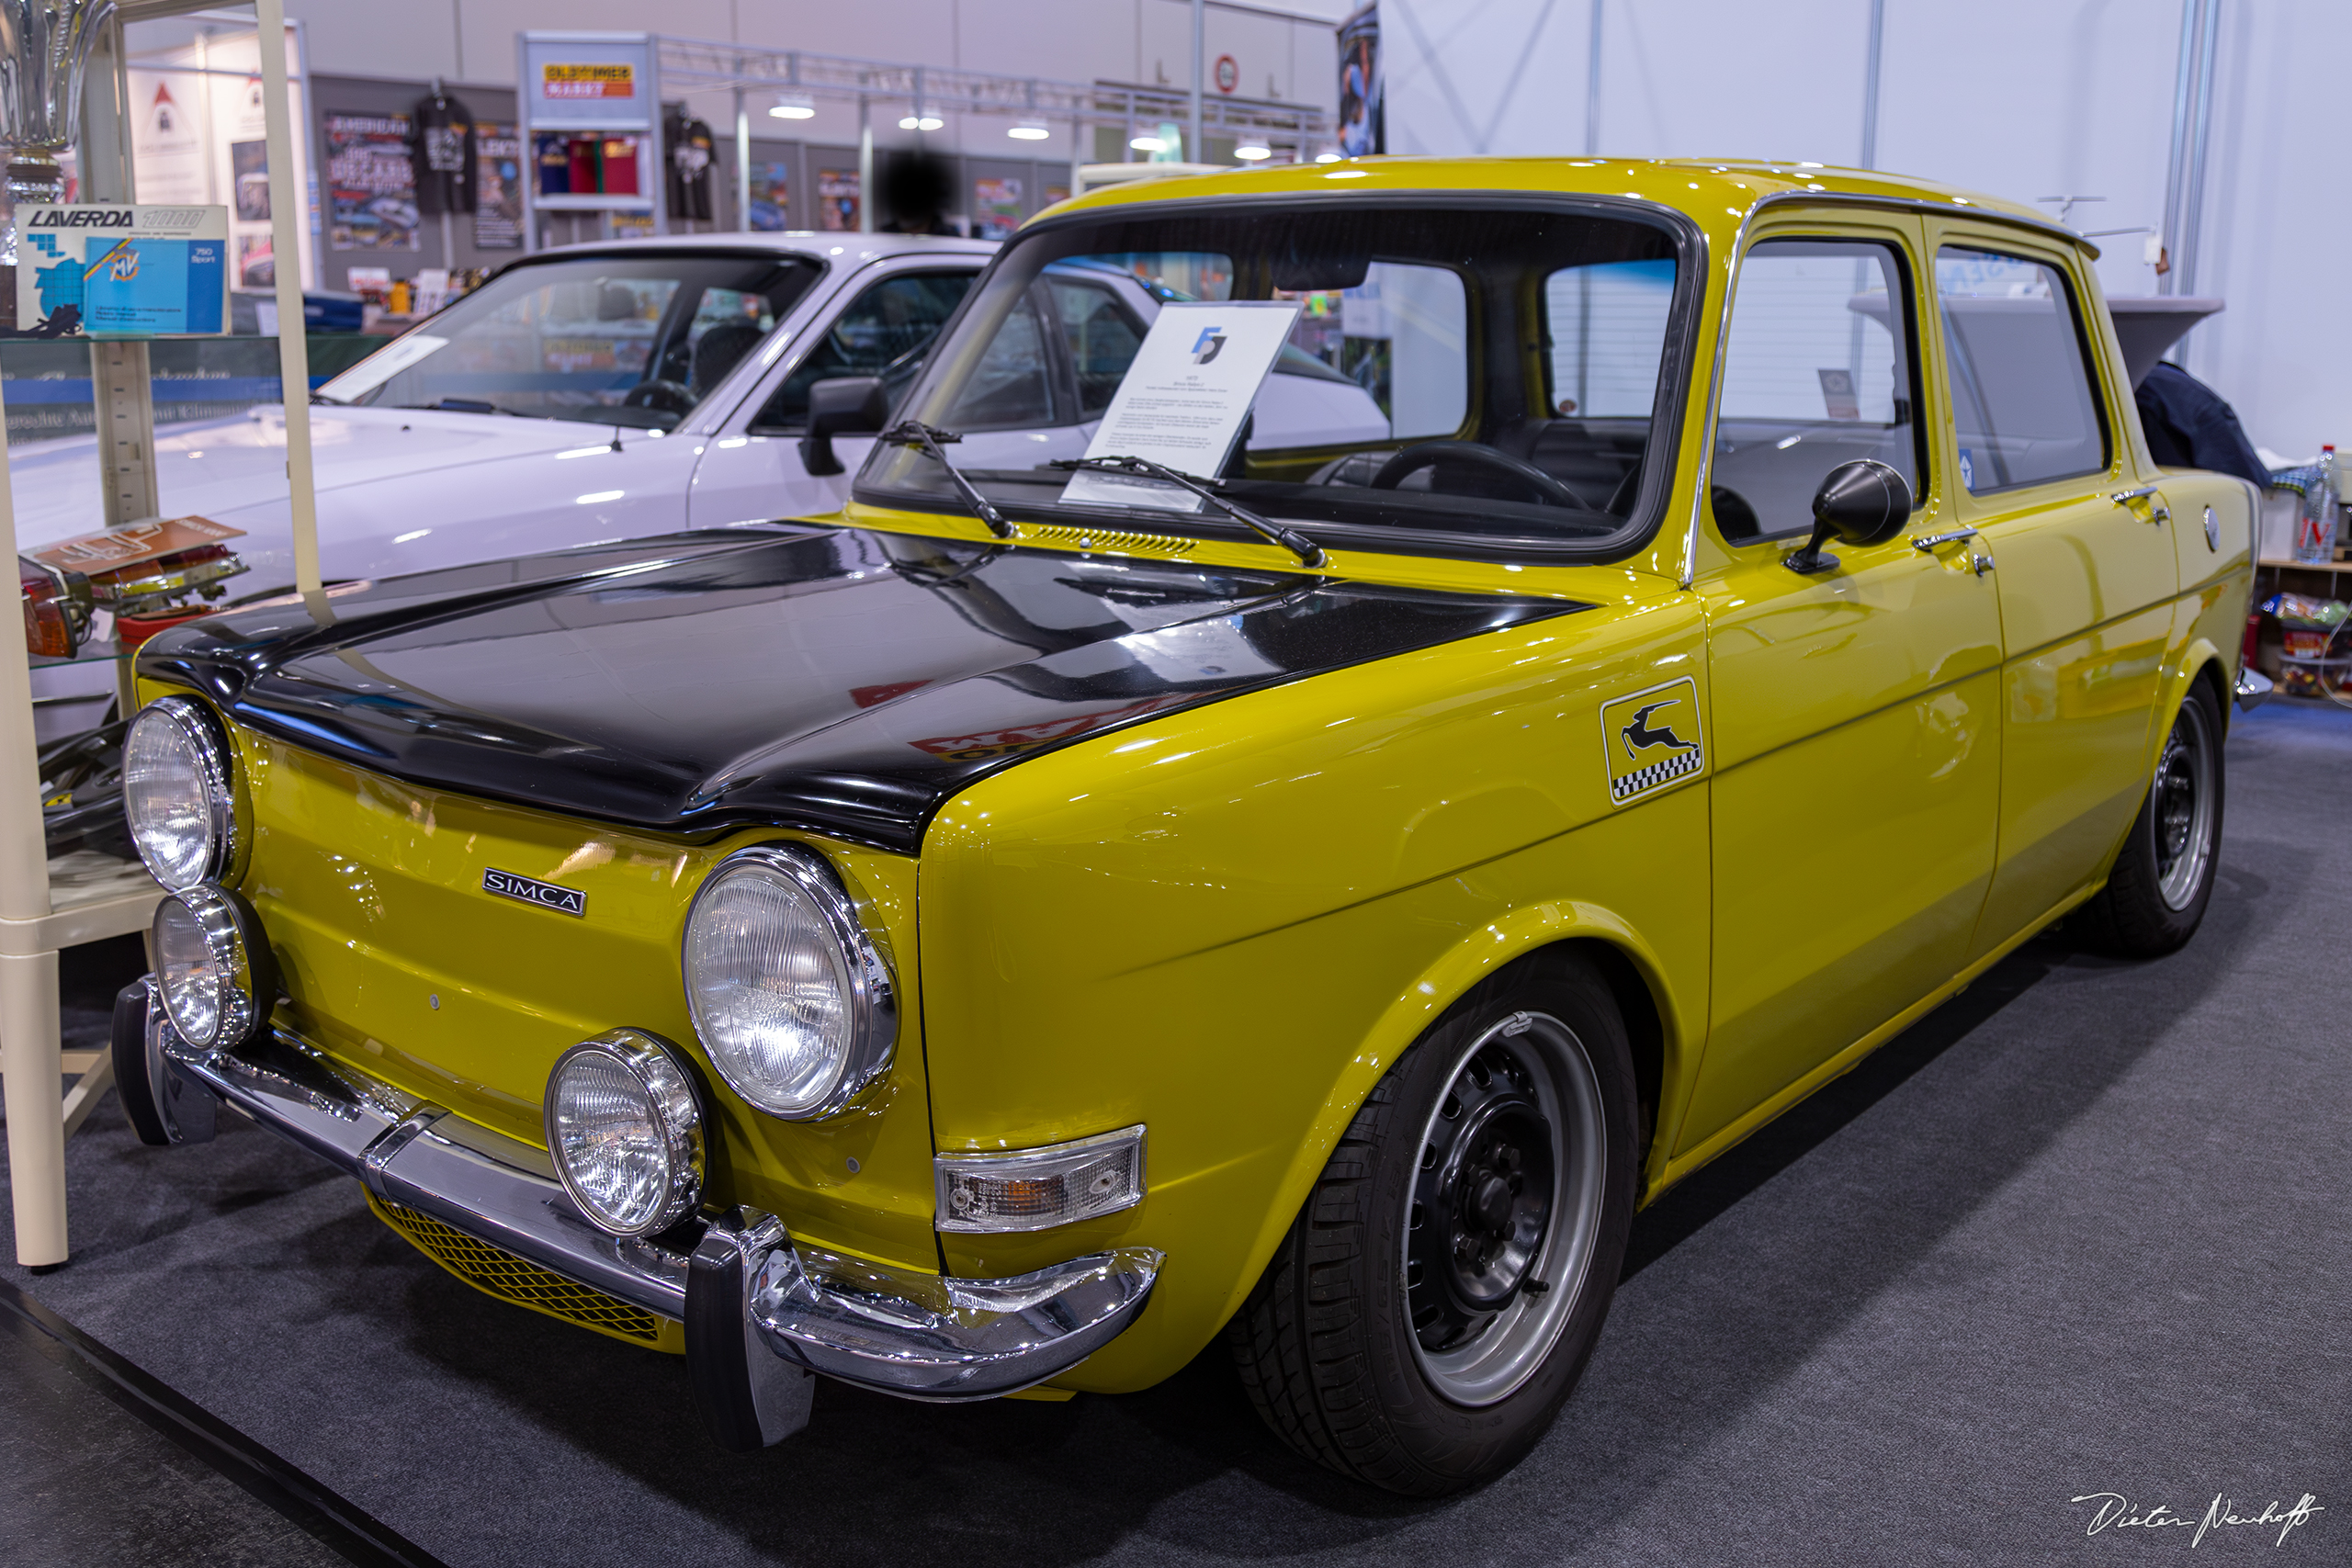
{"x": 762, "y": 1313}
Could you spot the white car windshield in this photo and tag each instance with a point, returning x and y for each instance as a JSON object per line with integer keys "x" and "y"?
{"x": 635, "y": 338}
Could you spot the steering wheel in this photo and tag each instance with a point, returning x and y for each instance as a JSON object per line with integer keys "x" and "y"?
{"x": 1428, "y": 453}
{"x": 667, "y": 396}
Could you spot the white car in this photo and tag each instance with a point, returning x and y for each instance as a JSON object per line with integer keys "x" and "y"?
{"x": 610, "y": 392}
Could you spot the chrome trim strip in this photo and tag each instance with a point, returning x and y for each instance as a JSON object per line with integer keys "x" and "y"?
{"x": 893, "y": 1330}
{"x": 2254, "y": 688}
{"x": 931, "y": 1337}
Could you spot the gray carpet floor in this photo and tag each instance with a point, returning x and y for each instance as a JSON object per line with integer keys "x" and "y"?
{"x": 2087, "y": 1230}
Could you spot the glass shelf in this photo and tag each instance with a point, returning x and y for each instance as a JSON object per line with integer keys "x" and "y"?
{"x": 101, "y": 652}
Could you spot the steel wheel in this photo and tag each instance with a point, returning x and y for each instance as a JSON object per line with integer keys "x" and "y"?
{"x": 1506, "y": 1209}
{"x": 2182, "y": 805}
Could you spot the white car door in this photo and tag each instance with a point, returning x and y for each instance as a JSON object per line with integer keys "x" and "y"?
{"x": 882, "y": 323}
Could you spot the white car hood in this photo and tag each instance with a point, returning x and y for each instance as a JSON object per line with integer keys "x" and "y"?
{"x": 233, "y": 471}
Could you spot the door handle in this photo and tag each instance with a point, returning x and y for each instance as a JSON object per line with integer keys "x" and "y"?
{"x": 1928, "y": 542}
{"x": 2158, "y": 511}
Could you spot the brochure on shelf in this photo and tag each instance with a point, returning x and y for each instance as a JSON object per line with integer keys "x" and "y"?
{"x": 103, "y": 270}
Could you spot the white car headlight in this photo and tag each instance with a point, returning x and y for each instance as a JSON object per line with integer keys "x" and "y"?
{"x": 624, "y": 1132}
{"x": 213, "y": 967}
{"x": 789, "y": 996}
{"x": 177, "y": 794}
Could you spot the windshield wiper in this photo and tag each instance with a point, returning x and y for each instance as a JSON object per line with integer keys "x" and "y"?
{"x": 1291, "y": 539}
{"x": 464, "y": 405}
{"x": 923, "y": 438}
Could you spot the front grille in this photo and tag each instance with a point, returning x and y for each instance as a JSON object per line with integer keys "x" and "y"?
{"x": 1110, "y": 539}
{"x": 500, "y": 1273}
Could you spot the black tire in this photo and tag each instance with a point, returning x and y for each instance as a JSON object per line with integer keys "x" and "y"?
{"x": 2155, "y": 897}
{"x": 1327, "y": 1344}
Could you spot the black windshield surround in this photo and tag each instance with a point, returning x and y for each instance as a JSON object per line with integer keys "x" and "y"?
{"x": 1507, "y": 327}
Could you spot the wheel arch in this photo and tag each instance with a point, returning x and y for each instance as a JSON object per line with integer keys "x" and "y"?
{"x": 1660, "y": 1032}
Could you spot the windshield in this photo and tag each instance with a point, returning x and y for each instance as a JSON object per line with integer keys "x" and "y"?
{"x": 1449, "y": 377}
{"x": 636, "y": 339}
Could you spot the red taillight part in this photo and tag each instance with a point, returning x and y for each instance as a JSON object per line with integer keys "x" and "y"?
{"x": 48, "y": 632}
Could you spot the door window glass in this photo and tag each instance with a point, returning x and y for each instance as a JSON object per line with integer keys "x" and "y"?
{"x": 1402, "y": 335}
{"x": 1013, "y": 383}
{"x": 1606, "y": 325}
{"x": 1818, "y": 372}
{"x": 886, "y": 332}
{"x": 2021, "y": 394}
{"x": 1102, "y": 340}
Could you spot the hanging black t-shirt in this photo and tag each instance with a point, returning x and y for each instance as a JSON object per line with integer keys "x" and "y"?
{"x": 693, "y": 156}
{"x": 441, "y": 144}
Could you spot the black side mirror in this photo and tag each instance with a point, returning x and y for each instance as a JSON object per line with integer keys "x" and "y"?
{"x": 1862, "y": 503}
{"x": 845, "y": 405}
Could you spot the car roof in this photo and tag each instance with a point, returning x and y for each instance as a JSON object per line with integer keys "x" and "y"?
{"x": 1710, "y": 190}
{"x": 817, "y": 244}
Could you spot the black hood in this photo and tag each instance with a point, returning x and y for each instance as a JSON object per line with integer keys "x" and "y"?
{"x": 835, "y": 680}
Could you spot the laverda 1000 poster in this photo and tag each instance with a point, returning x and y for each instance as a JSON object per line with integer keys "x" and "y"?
{"x": 122, "y": 271}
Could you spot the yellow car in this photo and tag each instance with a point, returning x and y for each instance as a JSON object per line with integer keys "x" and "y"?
{"x": 998, "y": 939}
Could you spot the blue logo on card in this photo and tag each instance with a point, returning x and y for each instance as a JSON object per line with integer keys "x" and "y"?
{"x": 1208, "y": 345}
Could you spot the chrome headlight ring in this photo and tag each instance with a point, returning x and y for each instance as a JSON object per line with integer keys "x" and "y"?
{"x": 214, "y": 971}
{"x": 579, "y": 1116}
{"x": 868, "y": 996}
{"x": 184, "y": 727}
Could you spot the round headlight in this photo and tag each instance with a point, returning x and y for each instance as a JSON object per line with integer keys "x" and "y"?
{"x": 213, "y": 967}
{"x": 789, "y": 998}
{"x": 624, "y": 1132}
{"x": 176, "y": 792}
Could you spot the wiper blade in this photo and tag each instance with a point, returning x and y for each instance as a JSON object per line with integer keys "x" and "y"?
{"x": 923, "y": 438}
{"x": 464, "y": 405}
{"x": 1291, "y": 539}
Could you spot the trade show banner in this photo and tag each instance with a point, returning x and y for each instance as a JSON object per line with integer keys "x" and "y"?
{"x": 498, "y": 175}
{"x": 371, "y": 183}
{"x": 837, "y": 199}
{"x": 771, "y": 197}
{"x": 198, "y": 140}
{"x": 1361, "y": 93}
{"x": 996, "y": 208}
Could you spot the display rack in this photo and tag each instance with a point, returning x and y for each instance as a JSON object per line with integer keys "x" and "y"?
{"x": 48, "y": 904}
{"x": 590, "y": 86}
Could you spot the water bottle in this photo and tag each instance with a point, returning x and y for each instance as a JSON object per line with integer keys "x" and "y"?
{"x": 2331, "y": 499}
{"x": 2316, "y": 518}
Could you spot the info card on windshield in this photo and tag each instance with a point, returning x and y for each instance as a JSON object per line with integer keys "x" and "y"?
{"x": 1184, "y": 400}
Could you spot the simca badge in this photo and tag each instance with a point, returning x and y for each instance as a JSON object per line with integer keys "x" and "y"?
{"x": 1652, "y": 739}
{"x": 545, "y": 895}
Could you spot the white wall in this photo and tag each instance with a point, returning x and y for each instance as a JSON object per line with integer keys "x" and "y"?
{"x": 2020, "y": 98}
{"x": 1284, "y": 49}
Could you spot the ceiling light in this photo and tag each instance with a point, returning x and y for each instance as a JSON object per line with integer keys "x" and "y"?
{"x": 793, "y": 105}
{"x": 1149, "y": 145}
{"x": 1029, "y": 131}
{"x": 922, "y": 123}
{"x": 1253, "y": 151}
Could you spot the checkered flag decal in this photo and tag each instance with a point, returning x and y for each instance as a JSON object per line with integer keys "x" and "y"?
{"x": 1656, "y": 774}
